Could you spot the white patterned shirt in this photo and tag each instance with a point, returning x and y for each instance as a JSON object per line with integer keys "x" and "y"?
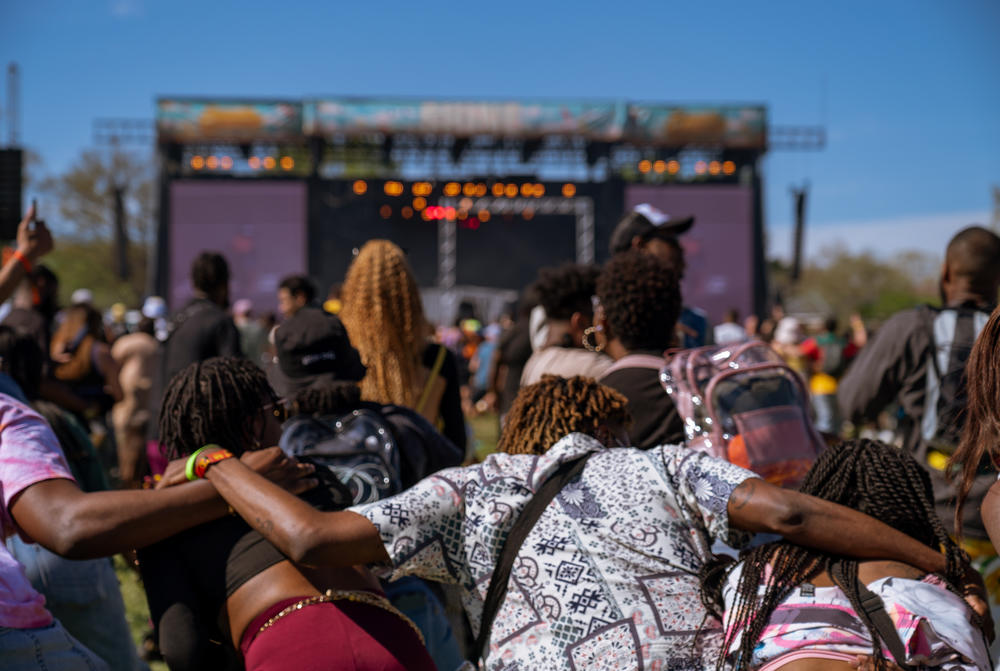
{"x": 607, "y": 578}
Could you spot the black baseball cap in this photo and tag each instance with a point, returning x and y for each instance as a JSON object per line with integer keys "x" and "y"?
{"x": 645, "y": 222}
{"x": 313, "y": 346}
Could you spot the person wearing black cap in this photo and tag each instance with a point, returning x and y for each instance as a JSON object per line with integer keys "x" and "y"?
{"x": 648, "y": 229}
{"x": 316, "y": 375}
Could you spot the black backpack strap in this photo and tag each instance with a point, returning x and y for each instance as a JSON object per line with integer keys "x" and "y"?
{"x": 872, "y": 604}
{"x": 515, "y": 539}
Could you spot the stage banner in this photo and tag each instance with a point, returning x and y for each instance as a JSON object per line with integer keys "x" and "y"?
{"x": 738, "y": 127}
{"x": 601, "y": 121}
{"x": 228, "y": 121}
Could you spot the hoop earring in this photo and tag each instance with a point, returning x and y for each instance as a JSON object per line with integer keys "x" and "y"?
{"x": 597, "y": 346}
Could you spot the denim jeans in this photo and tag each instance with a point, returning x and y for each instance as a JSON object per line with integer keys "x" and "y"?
{"x": 84, "y": 596}
{"x": 416, "y": 600}
{"x": 49, "y": 648}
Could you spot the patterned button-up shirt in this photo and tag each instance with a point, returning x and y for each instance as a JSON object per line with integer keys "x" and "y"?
{"x": 607, "y": 577}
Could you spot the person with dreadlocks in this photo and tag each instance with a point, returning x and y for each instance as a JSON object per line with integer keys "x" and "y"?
{"x": 639, "y": 300}
{"x": 384, "y": 316}
{"x": 222, "y": 581}
{"x": 792, "y": 607}
{"x": 607, "y": 578}
{"x": 565, "y": 294}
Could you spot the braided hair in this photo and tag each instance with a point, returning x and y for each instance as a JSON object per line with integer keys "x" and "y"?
{"x": 544, "y": 412}
{"x": 385, "y": 319}
{"x": 213, "y": 401}
{"x": 871, "y": 477}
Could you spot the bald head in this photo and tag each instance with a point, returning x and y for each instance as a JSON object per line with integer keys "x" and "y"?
{"x": 972, "y": 263}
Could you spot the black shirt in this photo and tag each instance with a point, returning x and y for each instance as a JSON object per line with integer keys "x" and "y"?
{"x": 200, "y": 331}
{"x": 655, "y": 420}
{"x": 515, "y": 350}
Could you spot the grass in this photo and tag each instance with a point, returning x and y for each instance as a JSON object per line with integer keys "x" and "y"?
{"x": 484, "y": 434}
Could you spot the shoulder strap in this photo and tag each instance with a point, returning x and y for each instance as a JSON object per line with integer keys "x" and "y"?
{"x": 438, "y": 361}
{"x": 523, "y": 525}
{"x": 636, "y": 361}
{"x": 872, "y": 604}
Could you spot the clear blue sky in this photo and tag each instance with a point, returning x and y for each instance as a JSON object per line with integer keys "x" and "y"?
{"x": 912, "y": 89}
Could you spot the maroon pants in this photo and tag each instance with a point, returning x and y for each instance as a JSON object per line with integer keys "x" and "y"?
{"x": 342, "y": 635}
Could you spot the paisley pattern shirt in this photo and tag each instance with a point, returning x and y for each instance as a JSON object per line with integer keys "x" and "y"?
{"x": 607, "y": 577}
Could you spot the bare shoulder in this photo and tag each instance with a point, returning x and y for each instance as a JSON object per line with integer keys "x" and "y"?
{"x": 870, "y": 571}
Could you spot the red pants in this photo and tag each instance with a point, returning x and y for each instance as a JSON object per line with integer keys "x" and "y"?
{"x": 342, "y": 635}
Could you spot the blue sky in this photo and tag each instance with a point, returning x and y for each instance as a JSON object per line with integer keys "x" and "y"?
{"x": 909, "y": 91}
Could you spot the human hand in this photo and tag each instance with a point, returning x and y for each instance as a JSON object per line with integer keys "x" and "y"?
{"x": 281, "y": 469}
{"x": 34, "y": 239}
{"x": 174, "y": 475}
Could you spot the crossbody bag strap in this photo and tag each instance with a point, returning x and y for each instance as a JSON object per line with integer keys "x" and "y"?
{"x": 515, "y": 539}
{"x": 874, "y": 608}
{"x": 425, "y": 394}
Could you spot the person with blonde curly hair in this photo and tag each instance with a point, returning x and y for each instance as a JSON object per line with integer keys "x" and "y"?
{"x": 384, "y": 317}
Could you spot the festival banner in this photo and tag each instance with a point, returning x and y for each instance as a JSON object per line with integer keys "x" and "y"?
{"x": 228, "y": 121}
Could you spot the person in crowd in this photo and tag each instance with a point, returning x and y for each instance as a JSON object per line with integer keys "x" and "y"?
{"x": 253, "y": 337}
{"x": 294, "y": 293}
{"x": 82, "y": 360}
{"x": 512, "y": 352}
{"x": 730, "y": 332}
{"x": 384, "y": 317}
{"x": 35, "y": 305}
{"x": 787, "y": 342}
{"x": 787, "y": 606}
{"x": 654, "y": 232}
{"x": 566, "y": 292}
{"x": 223, "y": 581}
{"x": 917, "y": 358}
{"x": 640, "y": 301}
{"x": 607, "y": 577}
{"x": 317, "y": 372}
{"x": 138, "y": 357}
{"x": 827, "y": 355}
{"x": 83, "y": 593}
{"x": 202, "y": 329}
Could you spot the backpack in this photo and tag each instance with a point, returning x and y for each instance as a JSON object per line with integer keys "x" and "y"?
{"x": 355, "y": 454}
{"x": 953, "y": 332}
{"x": 745, "y": 405}
{"x": 832, "y": 360}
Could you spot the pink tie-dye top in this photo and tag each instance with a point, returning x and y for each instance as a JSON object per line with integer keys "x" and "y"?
{"x": 29, "y": 453}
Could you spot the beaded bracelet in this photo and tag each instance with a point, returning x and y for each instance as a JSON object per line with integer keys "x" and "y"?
{"x": 200, "y": 460}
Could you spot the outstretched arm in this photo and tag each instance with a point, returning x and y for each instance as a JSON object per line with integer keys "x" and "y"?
{"x": 33, "y": 241}
{"x": 304, "y": 534}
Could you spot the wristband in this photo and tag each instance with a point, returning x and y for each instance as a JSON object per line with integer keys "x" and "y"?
{"x": 23, "y": 260}
{"x": 189, "y": 467}
{"x": 206, "y": 459}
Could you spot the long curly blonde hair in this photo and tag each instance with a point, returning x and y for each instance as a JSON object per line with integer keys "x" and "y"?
{"x": 385, "y": 320}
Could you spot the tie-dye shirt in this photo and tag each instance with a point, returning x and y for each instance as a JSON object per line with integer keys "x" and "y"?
{"x": 607, "y": 578}
{"x": 29, "y": 453}
{"x": 933, "y": 624}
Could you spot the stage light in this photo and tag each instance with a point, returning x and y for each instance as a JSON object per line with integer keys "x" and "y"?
{"x": 421, "y": 188}
{"x": 510, "y": 190}
{"x": 673, "y": 167}
{"x": 407, "y": 212}
{"x": 385, "y": 211}
{"x": 360, "y": 186}
{"x": 498, "y": 189}
{"x": 645, "y": 166}
{"x": 569, "y": 190}
{"x": 539, "y": 190}
{"x": 528, "y": 214}
{"x": 452, "y": 189}
{"x": 212, "y": 162}
{"x": 473, "y": 224}
{"x": 226, "y": 163}
{"x": 527, "y": 189}
{"x": 480, "y": 190}
{"x": 287, "y": 162}
{"x": 425, "y": 215}
{"x": 462, "y": 214}
{"x": 469, "y": 189}
{"x": 254, "y": 162}
{"x": 393, "y": 188}
{"x": 660, "y": 166}
{"x": 419, "y": 203}
{"x": 728, "y": 167}
{"x": 484, "y": 215}
{"x": 465, "y": 204}
{"x": 700, "y": 167}
{"x": 715, "y": 167}
{"x": 449, "y": 213}
{"x": 197, "y": 162}
{"x": 269, "y": 163}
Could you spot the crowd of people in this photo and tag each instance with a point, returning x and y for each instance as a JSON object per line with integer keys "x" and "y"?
{"x": 302, "y": 491}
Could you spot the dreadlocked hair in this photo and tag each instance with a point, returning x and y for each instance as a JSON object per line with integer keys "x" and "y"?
{"x": 326, "y": 399}
{"x": 213, "y": 401}
{"x": 385, "y": 320}
{"x": 871, "y": 477}
{"x": 544, "y": 412}
{"x": 978, "y": 445}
